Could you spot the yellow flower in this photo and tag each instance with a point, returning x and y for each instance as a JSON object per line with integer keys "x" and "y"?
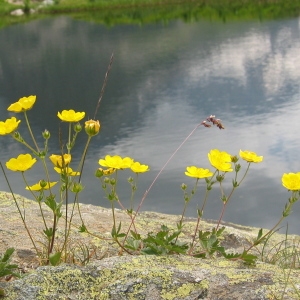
{"x": 136, "y": 167}
{"x": 23, "y": 104}
{"x": 69, "y": 171}
{"x": 60, "y": 161}
{"x": 291, "y": 181}
{"x": 22, "y": 163}
{"x": 38, "y": 186}
{"x": 220, "y": 160}
{"x": 92, "y": 127}
{"x": 250, "y": 156}
{"x": 116, "y": 162}
{"x": 9, "y": 126}
{"x": 70, "y": 115}
{"x": 195, "y": 172}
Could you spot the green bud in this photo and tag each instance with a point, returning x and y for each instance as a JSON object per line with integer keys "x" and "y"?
{"x": 224, "y": 199}
{"x": 46, "y": 134}
{"x": 220, "y": 178}
{"x": 18, "y": 136}
{"x": 76, "y": 187}
{"x": 200, "y": 213}
{"x": 234, "y": 183}
{"x": 77, "y": 127}
{"x": 42, "y": 154}
{"x": 99, "y": 173}
{"x": 183, "y": 186}
{"x": 130, "y": 179}
{"x": 43, "y": 183}
{"x": 237, "y": 167}
{"x": 234, "y": 159}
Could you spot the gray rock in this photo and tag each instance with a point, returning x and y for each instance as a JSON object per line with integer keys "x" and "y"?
{"x": 155, "y": 278}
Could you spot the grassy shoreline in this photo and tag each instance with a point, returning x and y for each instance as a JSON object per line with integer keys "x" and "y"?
{"x": 114, "y": 12}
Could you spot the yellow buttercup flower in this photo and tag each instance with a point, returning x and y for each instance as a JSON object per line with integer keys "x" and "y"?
{"x": 38, "y": 186}
{"x": 250, "y": 156}
{"x": 220, "y": 160}
{"x": 70, "y": 115}
{"x": 195, "y": 172}
{"x": 9, "y": 126}
{"x": 24, "y": 103}
{"x": 22, "y": 163}
{"x": 291, "y": 181}
{"x": 136, "y": 167}
{"x": 116, "y": 162}
{"x": 60, "y": 161}
{"x": 69, "y": 171}
{"x": 92, "y": 127}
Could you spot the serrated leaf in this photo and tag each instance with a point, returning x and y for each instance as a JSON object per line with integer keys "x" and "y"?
{"x": 8, "y": 253}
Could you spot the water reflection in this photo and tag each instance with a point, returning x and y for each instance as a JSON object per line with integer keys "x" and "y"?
{"x": 164, "y": 81}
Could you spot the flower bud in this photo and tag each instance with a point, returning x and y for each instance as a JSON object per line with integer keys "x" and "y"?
{"x": 76, "y": 187}
{"x": 183, "y": 186}
{"x": 77, "y": 127}
{"x": 43, "y": 183}
{"x": 46, "y": 134}
{"x": 234, "y": 158}
{"x": 130, "y": 179}
{"x": 92, "y": 127}
{"x": 99, "y": 173}
{"x": 17, "y": 136}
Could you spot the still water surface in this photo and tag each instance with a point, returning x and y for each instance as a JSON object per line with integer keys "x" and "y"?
{"x": 165, "y": 79}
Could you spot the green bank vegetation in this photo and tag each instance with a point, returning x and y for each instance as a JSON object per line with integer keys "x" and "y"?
{"x": 148, "y": 11}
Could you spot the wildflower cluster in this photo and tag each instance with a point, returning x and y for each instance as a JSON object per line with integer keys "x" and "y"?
{"x": 167, "y": 240}
{"x": 61, "y": 164}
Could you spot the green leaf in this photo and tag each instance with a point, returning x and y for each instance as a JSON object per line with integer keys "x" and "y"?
{"x": 135, "y": 235}
{"x": 173, "y": 236}
{"x": 48, "y": 232}
{"x": 82, "y": 228}
{"x": 55, "y": 258}
{"x": 8, "y": 253}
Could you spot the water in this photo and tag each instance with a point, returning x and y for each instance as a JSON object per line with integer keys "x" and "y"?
{"x": 165, "y": 79}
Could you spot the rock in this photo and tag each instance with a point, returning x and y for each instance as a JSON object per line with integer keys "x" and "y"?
{"x": 155, "y": 278}
{"x": 141, "y": 277}
{"x": 20, "y": 12}
{"x": 17, "y": 12}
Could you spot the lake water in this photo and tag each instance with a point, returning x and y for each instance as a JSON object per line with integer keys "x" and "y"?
{"x": 165, "y": 79}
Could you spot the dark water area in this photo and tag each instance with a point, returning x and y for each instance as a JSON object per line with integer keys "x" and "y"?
{"x": 165, "y": 79}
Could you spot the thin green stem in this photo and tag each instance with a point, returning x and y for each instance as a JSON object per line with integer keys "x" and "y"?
{"x": 30, "y": 131}
{"x": 186, "y": 204}
{"x": 158, "y": 174}
{"x": 38, "y": 201}
{"x": 19, "y": 210}
{"x": 69, "y": 138}
{"x": 200, "y": 216}
{"x": 133, "y": 190}
{"x": 198, "y": 223}
{"x": 25, "y": 144}
{"x": 230, "y": 195}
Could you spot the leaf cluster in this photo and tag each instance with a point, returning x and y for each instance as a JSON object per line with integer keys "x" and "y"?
{"x": 164, "y": 242}
{"x": 5, "y": 267}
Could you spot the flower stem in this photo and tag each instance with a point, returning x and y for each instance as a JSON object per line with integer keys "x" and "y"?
{"x": 158, "y": 174}
{"x": 30, "y": 131}
{"x": 19, "y": 210}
